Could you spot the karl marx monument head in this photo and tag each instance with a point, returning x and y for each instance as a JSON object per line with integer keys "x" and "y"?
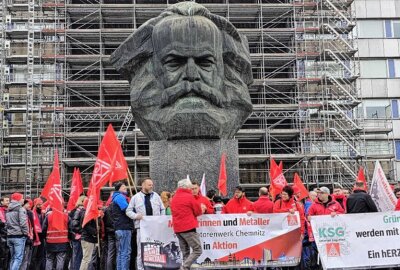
{"x": 189, "y": 72}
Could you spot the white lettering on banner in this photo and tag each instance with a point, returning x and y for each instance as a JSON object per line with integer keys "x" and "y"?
{"x": 238, "y": 240}
{"x": 381, "y": 191}
{"x": 358, "y": 240}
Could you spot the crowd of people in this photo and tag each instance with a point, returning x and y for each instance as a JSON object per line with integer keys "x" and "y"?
{"x": 30, "y": 236}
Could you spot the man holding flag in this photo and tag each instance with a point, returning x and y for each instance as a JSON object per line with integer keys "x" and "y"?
{"x": 52, "y": 192}
{"x": 111, "y": 166}
{"x": 57, "y": 241}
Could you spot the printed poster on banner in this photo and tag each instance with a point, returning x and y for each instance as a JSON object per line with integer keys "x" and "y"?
{"x": 228, "y": 241}
{"x": 381, "y": 192}
{"x": 358, "y": 240}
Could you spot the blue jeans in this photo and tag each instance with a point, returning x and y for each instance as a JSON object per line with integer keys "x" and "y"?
{"x": 123, "y": 238}
{"x": 17, "y": 248}
{"x": 77, "y": 255}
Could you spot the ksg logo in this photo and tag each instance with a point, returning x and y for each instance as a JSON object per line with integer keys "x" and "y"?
{"x": 331, "y": 232}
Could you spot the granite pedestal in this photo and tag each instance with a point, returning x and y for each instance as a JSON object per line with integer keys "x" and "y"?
{"x": 171, "y": 161}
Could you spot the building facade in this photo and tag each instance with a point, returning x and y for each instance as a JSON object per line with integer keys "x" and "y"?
{"x": 378, "y": 31}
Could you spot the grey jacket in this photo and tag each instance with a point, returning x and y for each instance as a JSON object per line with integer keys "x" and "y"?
{"x": 16, "y": 220}
{"x": 136, "y": 206}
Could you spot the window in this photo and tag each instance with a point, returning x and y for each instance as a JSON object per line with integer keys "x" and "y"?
{"x": 375, "y": 112}
{"x": 397, "y": 68}
{"x": 397, "y": 146}
{"x": 373, "y": 69}
{"x": 394, "y": 68}
{"x": 395, "y": 108}
{"x": 370, "y": 29}
{"x": 392, "y": 29}
{"x": 396, "y": 29}
{"x": 377, "y": 109}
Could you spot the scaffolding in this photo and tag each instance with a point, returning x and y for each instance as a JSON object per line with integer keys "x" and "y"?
{"x": 307, "y": 109}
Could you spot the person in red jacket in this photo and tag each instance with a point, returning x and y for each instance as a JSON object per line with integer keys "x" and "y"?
{"x": 57, "y": 241}
{"x": 185, "y": 210}
{"x": 325, "y": 204}
{"x": 397, "y": 205}
{"x": 239, "y": 204}
{"x": 263, "y": 205}
{"x": 287, "y": 203}
{"x": 339, "y": 196}
{"x": 201, "y": 199}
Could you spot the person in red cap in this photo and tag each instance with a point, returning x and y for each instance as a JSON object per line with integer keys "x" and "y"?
{"x": 38, "y": 252}
{"x": 4, "y": 252}
{"x": 263, "y": 205}
{"x": 17, "y": 230}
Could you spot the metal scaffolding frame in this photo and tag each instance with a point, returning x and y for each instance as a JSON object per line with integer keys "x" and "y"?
{"x": 305, "y": 94}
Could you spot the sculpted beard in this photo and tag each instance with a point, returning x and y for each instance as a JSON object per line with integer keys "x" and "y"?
{"x": 182, "y": 89}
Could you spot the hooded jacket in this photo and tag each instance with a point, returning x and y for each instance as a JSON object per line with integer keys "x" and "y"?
{"x": 17, "y": 220}
{"x": 238, "y": 206}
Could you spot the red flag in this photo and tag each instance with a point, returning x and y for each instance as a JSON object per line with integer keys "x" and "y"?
{"x": 300, "y": 186}
{"x": 110, "y": 165}
{"x": 92, "y": 211}
{"x": 361, "y": 178}
{"x": 52, "y": 193}
{"x": 277, "y": 179}
{"x": 222, "y": 176}
{"x": 76, "y": 189}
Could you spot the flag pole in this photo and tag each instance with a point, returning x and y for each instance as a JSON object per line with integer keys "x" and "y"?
{"x": 98, "y": 237}
{"x": 129, "y": 185}
{"x": 131, "y": 178}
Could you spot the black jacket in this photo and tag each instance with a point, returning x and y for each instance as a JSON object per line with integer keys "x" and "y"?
{"x": 89, "y": 232}
{"x": 108, "y": 221}
{"x": 360, "y": 202}
{"x": 76, "y": 224}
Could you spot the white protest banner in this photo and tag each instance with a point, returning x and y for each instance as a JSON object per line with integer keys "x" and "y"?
{"x": 358, "y": 240}
{"x": 227, "y": 240}
{"x": 381, "y": 192}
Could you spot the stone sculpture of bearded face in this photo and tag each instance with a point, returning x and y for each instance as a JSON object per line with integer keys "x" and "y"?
{"x": 189, "y": 73}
